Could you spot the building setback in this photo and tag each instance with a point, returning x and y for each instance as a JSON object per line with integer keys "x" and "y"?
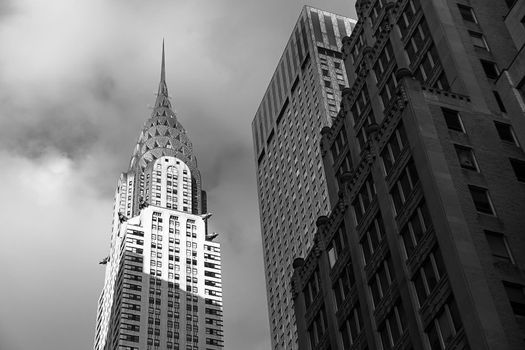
{"x": 163, "y": 275}
{"x": 302, "y": 97}
{"x": 423, "y": 247}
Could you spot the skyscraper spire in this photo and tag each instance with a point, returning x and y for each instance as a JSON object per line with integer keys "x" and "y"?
{"x": 162, "y": 184}
{"x": 163, "y": 65}
{"x": 162, "y": 94}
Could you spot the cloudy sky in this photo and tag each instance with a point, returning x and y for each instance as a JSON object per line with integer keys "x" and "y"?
{"x": 77, "y": 79}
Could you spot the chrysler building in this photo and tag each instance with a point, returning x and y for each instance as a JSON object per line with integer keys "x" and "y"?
{"x": 162, "y": 288}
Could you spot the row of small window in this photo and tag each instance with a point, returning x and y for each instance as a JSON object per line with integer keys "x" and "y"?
{"x": 454, "y": 122}
{"x": 440, "y": 331}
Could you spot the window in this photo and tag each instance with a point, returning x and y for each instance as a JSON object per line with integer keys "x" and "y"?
{"x": 363, "y": 199}
{"x": 393, "y": 148}
{"x": 418, "y": 224}
{"x": 383, "y": 60}
{"x": 516, "y": 298}
{"x": 372, "y": 238}
{"x": 317, "y": 328}
{"x": 339, "y": 144}
{"x": 466, "y": 158}
{"x": 407, "y": 16}
{"x": 428, "y": 276}
{"x": 336, "y": 246}
{"x": 481, "y": 199}
{"x": 404, "y": 186}
{"x": 506, "y": 133}
{"x": 311, "y": 289}
{"x": 510, "y": 3}
{"x": 519, "y": 168}
{"x": 424, "y": 70}
{"x": 444, "y": 327}
{"x": 490, "y": 69}
{"x": 521, "y": 84}
{"x": 381, "y": 281}
{"x": 351, "y": 327}
{"x": 499, "y": 246}
{"x": 467, "y": 13}
{"x": 343, "y": 285}
{"x": 392, "y": 328}
{"x": 478, "y": 40}
{"x": 453, "y": 119}
{"x": 417, "y": 40}
{"x": 389, "y": 89}
{"x": 499, "y": 101}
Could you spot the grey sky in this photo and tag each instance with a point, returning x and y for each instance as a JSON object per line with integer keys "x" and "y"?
{"x": 76, "y": 80}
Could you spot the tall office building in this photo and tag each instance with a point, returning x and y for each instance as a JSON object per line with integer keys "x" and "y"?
{"x": 163, "y": 274}
{"x": 424, "y": 246}
{"x": 302, "y": 97}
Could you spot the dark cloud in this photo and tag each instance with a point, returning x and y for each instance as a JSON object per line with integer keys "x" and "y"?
{"x": 55, "y": 132}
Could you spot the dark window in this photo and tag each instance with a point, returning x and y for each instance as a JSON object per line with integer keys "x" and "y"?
{"x": 407, "y": 16}
{"x": 443, "y": 328}
{"x": 363, "y": 199}
{"x": 327, "y": 84}
{"x": 506, "y": 133}
{"x": 478, "y": 40}
{"x": 317, "y": 328}
{"x": 418, "y": 224}
{"x": 467, "y": 13}
{"x": 381, "y": 281}
{"x": 490, "y": 69}
{"x": 343, "y": 285}
{"x": 336, "y": 246}
{"x": 392, "y": 328}
{"x": 521, "y": 84}
{"x": 398, "y": 141}
{"x": 453, "y": 119}
{"x": 442, "y": 82}
{"x": 499, "y": 246}
{"x": 466, "y": 157}
{"x": 516, "y": 298}
{"x": 499, "y": 101}
{"x": 372, "y": 238}
{"x": 404, "y": 186}
{"x": 351, "y": 327}
{"x": 519, "y": 168}
{"x": 481, "y": 199}
{"x": 428, "y": 276}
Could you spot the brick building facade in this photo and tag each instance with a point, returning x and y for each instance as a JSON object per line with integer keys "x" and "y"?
{"x": 422, "y": 247}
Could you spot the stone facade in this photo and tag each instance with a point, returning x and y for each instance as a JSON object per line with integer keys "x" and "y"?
{"x": 421, "y": 250}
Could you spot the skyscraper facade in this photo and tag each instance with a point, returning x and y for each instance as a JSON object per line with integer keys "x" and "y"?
{"x": 163, "y": 275}
{"x": 302, "y": 97}
{"x": 422, "y": 249}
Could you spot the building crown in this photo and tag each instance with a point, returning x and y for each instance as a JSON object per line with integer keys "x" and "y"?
{"x": 162, "y": 134}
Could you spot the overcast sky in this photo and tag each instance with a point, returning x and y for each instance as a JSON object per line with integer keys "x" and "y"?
{"x": 77, "y": 79}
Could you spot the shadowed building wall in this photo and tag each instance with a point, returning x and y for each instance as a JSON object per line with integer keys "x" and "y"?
{"x": 422, "y": 248}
